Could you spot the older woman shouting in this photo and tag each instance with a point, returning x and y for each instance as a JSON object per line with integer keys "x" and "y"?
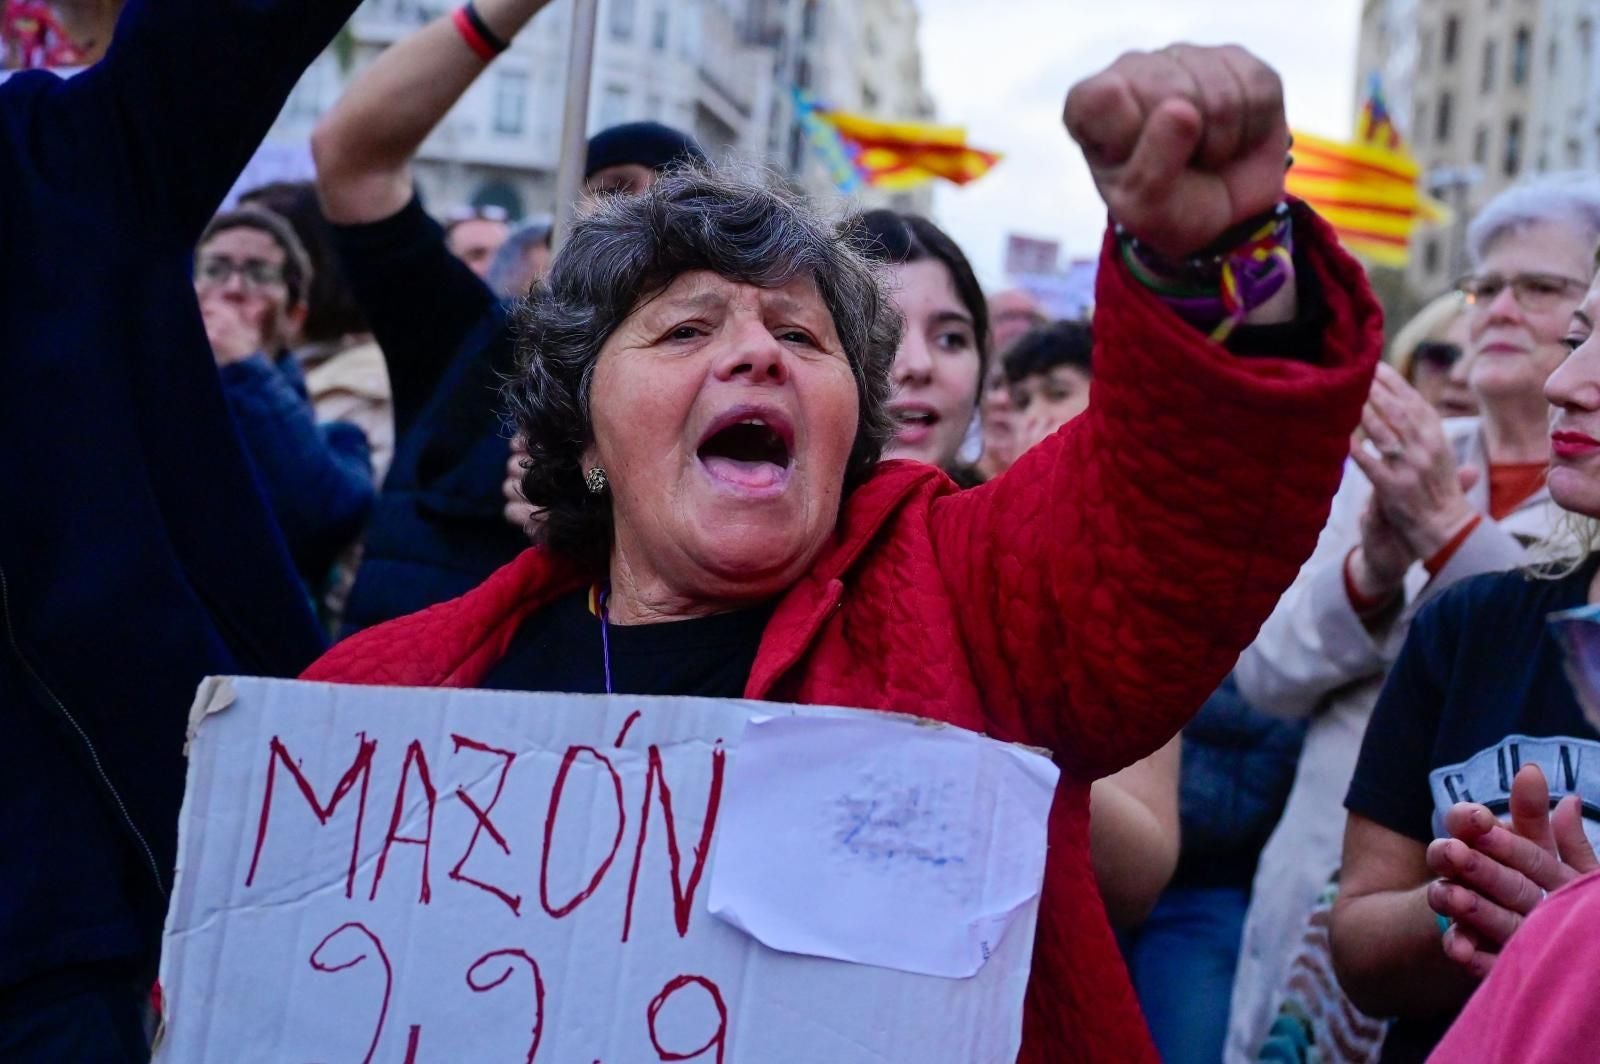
{"x": 704, "y": 403}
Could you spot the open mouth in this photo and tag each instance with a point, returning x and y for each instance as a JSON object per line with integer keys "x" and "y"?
{"x": 913, "y": 422}
{"x": 750, "y": 450}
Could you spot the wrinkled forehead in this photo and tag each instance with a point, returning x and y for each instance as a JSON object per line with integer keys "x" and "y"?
{"x": 1541, "y": 247}
{"x": 711, "y": 290}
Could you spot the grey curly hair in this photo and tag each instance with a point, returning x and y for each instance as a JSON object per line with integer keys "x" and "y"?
{"x": 626, "y": 250}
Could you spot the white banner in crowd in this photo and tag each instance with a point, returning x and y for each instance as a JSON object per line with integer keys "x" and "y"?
{"x": 381, "y": 874}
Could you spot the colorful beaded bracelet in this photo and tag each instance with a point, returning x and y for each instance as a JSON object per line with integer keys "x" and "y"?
{"x": 1218, "y": 288}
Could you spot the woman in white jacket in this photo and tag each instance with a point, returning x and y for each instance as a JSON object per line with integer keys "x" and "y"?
{"x": 1424, "y": 503}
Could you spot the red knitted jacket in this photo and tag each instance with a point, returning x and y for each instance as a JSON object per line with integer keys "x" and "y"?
{"x": 1087, "y": 601}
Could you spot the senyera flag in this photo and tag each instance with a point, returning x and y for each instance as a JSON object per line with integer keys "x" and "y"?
{"x": 861, "y": 151}
{"x": 1368, "y": 189}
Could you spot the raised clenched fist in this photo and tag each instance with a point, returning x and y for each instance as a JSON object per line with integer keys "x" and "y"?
{"x": 1183, "y": 143}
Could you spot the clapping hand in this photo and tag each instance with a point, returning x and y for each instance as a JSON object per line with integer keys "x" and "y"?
{"x": 1414, "y": 475}
{"x": 1492, "y": 876}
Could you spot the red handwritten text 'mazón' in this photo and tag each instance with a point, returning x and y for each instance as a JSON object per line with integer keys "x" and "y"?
{"x": 415, "y": 784}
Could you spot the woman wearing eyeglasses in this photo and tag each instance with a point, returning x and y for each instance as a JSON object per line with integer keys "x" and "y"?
{"x": 1429, "y": 352}
{"x": 1425, "y": 503}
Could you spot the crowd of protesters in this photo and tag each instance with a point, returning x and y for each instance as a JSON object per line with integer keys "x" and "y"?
{"x": 1278, "y": 608}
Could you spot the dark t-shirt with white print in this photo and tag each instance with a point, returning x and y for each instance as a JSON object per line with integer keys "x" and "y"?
{"x": 1477, "y": 692}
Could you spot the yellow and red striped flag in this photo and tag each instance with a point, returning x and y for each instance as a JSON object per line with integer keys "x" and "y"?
{"x": 1369, "y": 189}
{"x": 891, "y": 155}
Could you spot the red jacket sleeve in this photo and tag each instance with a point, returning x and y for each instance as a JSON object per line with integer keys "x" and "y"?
{"x": 1110, "y": 579}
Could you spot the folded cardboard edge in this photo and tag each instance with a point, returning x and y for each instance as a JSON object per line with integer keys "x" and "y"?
{"x": 214, "y": 695}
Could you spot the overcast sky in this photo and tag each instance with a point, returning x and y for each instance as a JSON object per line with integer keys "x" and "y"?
{"x": 1002, "y": 69}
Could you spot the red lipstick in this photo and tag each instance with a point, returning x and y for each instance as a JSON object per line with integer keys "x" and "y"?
{"x": 1572, "y": 445}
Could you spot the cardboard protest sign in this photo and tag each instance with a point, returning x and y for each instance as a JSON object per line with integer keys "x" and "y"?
{"x": 380, "y": 874}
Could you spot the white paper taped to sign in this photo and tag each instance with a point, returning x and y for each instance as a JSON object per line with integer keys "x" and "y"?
{"x": 851, "y": 838}
{"x": 379, "y": 874}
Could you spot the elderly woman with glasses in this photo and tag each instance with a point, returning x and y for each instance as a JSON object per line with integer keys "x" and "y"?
{"x": 706, "y": 399}
{"x": 1425, "y": 503}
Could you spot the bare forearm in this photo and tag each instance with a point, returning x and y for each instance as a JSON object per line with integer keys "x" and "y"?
{"x": 1133, "y": 857}
{"x": 1387, "y": 952}
{"x": 1133, "y": 834}
{"x": 364, "y": 146}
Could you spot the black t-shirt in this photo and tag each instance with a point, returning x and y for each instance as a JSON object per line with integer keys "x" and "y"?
{"x": 560, "y": 648}
{"x": 1478, "y": 691}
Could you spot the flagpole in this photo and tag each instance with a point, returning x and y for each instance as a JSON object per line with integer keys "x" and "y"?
{"x": 575, "y": 121}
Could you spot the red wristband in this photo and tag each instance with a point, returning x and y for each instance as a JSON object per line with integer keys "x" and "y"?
{"x": 1364, "y": 605}
{"x": 1442, "y": 556}
{"x": 468, "y": 28}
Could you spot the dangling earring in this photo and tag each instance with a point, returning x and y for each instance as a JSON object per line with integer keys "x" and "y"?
{"x": 595, "y": 480}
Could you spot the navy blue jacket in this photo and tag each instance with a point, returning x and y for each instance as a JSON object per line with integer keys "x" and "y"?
{"x": 437, "y": 530}
{"x": 1238, "y": 766}
{"x": 136, "y": 552}
{"x": 317, "y": 477}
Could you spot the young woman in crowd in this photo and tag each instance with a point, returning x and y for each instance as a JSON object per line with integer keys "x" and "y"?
{"x": 1425, "y": 503}
{"x": 944, "y": 343}
{"x": 1478, "y": 708}
{"x": 1429, "y": 351}
{"x": 706, "y": 399}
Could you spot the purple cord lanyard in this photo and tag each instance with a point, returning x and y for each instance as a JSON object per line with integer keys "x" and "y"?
{"x": 602, "y": 593}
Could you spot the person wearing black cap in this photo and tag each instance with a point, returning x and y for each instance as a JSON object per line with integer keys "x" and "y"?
{"x": 628, "y": 157}
{"x": 438, "y": 527}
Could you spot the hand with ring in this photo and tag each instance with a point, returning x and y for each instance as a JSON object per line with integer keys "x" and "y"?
{"x": 1414, "y": 475}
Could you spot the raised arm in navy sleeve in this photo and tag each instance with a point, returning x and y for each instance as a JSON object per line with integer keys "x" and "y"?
{"x": 421, "y": 301}
{"x": 167, "y": 120}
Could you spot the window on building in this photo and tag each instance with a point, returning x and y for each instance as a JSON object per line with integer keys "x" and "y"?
{"x": 1585, "y": 38}
{"x": 1424, "y": 51}
{"x": 1491, "y": 58}
{"x": 1520, "y": 49}
{"x": 622, "y": 13}
{"x": 1430, "y": 256}
{"x": 1452, "y": 37}
{"x": 510, "y": 102}
{"x": 1420, "y": 125}
{"x": 869, "y": 98}
{"x": 613, "y": 106}
{"x": 658, "y": 30}
{"x": 1574, "y": 153}
{"x": 1552, "y": 56}
{"x": 1513, "y": 155}
{"x": 1480, "y": 145}
{"x": 802, "y": 73}
{"x": 1441, "y": 119}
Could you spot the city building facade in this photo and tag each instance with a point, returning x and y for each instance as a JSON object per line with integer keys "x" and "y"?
{"x": 720, "y": 69}
{"x": 1486, "y": 92}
